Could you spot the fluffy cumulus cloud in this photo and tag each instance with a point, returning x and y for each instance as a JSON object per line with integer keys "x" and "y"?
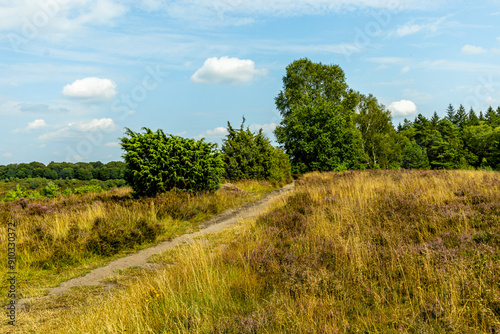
{"x": 403, "y": 108}
{"x": 226, "y": 70}
{"x": 36, "y": 124}
{"x": 103, "y": 124}
{"x": 91, "y": 89}
{"x": 218, "y": 132}
{"x": 473, "y": 50}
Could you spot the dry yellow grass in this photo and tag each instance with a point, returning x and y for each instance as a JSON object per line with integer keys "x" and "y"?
{"x": 372, "y": 251}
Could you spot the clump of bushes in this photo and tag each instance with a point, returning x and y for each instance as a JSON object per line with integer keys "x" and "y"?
{"x": 157, "y": 163}
{"x": 249, "y": 155}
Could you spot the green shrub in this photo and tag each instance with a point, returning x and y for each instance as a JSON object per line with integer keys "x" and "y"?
{"x": 12, "y": 195}
{"x": 120, "y": 183}
{"x": 251, "y": 156}
{"x": 157, "y": 163}
{"x": 51, "y": 189}
{"x": 34, "y": 194}
{"x": 91, "y": 188}
{"x": 35, "y": 183}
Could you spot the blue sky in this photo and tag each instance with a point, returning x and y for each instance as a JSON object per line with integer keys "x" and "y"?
{"x": 75, "y": 73}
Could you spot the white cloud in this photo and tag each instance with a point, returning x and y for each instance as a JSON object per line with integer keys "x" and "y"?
{"x": 91, "y": 89}
{"x": 267, "y": 128}
{"x": 7, "y": 155}
{"x": 226, "y": 70}
{"x": 112, "y": 144}
{"x": 217, "y": 132}
{"x": 103, "y": 124}
{"x": 63, "y": 132}
{"x": 405, "y": 69}
{"x": 36, "y": 124}
{"x": 403, "y": 108}
{"x": 473, "y": 50}
{"x": 411, "y": 28}
{"x": 495, "y": 51}
{"x": 75, "y": 129}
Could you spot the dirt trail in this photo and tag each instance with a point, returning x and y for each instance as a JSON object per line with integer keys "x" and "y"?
{"x": 139, "y": 259}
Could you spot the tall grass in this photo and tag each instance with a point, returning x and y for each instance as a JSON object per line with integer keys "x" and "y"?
{"x": 66, "y": 236}
{"x": 371, "y": 251}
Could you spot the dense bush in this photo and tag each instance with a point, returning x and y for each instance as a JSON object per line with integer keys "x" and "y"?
{"x": 249, "y": 155}
{"x": 91, "y": 188}
{"x": 157, "y": 163}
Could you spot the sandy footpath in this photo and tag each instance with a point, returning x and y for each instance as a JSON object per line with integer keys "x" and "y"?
{"x": 140, "y": 259}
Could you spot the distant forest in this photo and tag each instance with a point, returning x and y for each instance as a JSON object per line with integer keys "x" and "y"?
{"x": 64, "y": 170}
{"x": 460, "y": 140}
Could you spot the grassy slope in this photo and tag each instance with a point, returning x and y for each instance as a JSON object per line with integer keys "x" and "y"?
{"x": 64, "y": 237}
{"x": 373, "y": 251}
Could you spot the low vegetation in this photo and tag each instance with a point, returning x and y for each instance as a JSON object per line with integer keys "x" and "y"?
{"x": 369, "y": 251}
{"x": 65, "y": 236}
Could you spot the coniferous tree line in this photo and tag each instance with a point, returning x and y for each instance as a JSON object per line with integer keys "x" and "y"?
{"x": 459, "y": 140}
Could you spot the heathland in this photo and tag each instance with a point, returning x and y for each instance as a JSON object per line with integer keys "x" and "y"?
{"x": 367, "y": 251}
{"x": 65, "y": 236}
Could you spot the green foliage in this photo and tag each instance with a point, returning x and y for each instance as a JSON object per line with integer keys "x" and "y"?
{"x": 318, "y": 129}
{"x": 36, "y": 194}
{"x": 91, "y": 188}
{"x": 157, "y": 163}
{"x": 51, "y": 189}
{"x": 458, "y": 141}
{"x": 415, "y": 157}
{"x": 64, "y": 170}
{"x": 251, "y": 156}
{"x": 381, "y": 143}
{"x": 12, "y": 195}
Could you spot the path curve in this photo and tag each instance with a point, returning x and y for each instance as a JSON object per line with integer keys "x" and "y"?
{"x": 139, "y": 259}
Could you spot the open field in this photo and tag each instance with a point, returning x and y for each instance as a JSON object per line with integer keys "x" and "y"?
{"x": 371, "y": 251}
{"x": 66, "y": 236}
